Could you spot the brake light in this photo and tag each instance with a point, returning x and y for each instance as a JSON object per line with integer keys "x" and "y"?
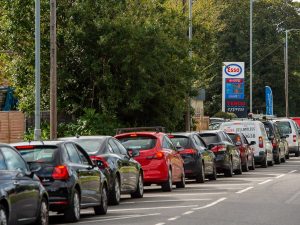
{"x": 242, "y": 149}
{"x": 188, "y": 151}
{"x": 219, "y": 148}
{"x": 24, "y": 147}
{"x": 133, "y": 135}
{"x": 99, "y": 161}
{"x": 274, "y": 143}
{"x": 157, "y": 155}
{"x": 294, "y": 138}
{"x": 171, "y": 136}
{"x": 60, "y": 173}
{"x": 260, "y": 142}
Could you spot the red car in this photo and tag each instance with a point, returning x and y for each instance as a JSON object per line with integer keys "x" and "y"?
{"x": 160, "y": 160}
{"x": 246, "y": 150}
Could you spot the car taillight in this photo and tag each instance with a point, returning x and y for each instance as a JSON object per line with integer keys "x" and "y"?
{"x": 260, "y": 142}
{"x": 218, "y": 148}
{"x": 294, "y": 138}
{"x": 100, "y": 161}
{"x": 188, "y": 151}
{"x": 60, "y": 173}
{"x": 157, "y": 155}
{"x": 274, "y": 143}
{"x": 242, "y": 149}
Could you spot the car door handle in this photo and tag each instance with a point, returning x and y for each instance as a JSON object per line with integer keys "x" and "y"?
{"x": 16, "y": 182}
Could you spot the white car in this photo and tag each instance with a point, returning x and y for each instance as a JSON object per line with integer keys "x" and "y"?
{"x": 288, "y": 127}
{"x": 253, "y": 131}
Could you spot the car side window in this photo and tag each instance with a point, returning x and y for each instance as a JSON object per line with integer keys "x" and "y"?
{"x": 114, "y": 147}
{"x": 167, "y": 143}
{"x": 83, "y": 158}
{"x": 121, "y": 148}
{"x": 2, "y": 162}
{"x": 73, "y": 154}
{"x": 198, "y": 141}
{"x": 13, "y": 160}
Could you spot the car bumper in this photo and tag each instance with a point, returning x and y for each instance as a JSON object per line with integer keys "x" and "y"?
{"x": 260, "y": 158}
{"x": 222, "y": 162}
{"x": 155, "y": 173}
{"x": 293, "y": 149}
{"x": 191, "y": 165}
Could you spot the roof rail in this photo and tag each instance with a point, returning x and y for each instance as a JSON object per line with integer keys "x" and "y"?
{"x": 133, "y": 129}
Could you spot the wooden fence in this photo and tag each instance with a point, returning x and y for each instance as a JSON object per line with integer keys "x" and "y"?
{"x": 12, "y": 126}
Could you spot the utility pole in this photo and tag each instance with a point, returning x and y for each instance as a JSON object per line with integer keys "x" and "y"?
{"x": 53, "y": 74}
{"x": 251, "y": 62}
{"x": 37, "y": 118}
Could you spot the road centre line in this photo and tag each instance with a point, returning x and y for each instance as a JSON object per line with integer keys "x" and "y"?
{"x": 290, "y": 200}
{"x": 116, "y": 218}
{"x": 211, "y": 204}
{"x": 282, "y": 175}
{"x": 266, "y": 181}
{"x": 188, "y": 212}
{"x": 172, "y": 200}
{"x": 174, "y": 218}
{"x": 244, "y": 190}
{"x": 293, "y": 171}
{"x": 153, "y": 208}
{"x": 184, "y": 194}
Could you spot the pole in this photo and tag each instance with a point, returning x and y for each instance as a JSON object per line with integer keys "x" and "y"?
{"x": 286, "y": 77}
{"x": 53, "y": 74}
{"x": 251, "y": 30}
{"x": 37, "y": 129}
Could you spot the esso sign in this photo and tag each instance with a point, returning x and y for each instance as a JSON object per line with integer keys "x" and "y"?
{"x": 233, "y": 70}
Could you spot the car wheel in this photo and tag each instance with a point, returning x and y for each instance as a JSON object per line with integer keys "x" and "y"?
{"x": 239, "y": 171}
{"x": 297, "y": 153}
{"x": 200, "y": 177}
{"x": 264, "y": 164}
{"x": 139, "y": 192}
{"x": 181, "y": 184}
{"x": 213, "y": 176}
{"x": 3, "y": 216}
{"x": 282, "y": 159}
{"x": 167, "y": 186}
{"x": 102, "y": 208}
{"x": 252, "y": 167}
{"x": 229, "y": 172}
{"x": 115, "y": 194}
{"x": 287, "y": 156}
{"x": 43, "y": 218}
{"x": 245, "y": 167}
{"x": 72, "y": 214}
{"x": 277, "y": 160}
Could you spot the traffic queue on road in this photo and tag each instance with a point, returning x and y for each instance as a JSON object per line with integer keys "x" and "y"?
{"x": 73, "y": 173}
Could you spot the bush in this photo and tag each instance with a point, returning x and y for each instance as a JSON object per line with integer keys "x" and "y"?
{"x": 225, "y": 115}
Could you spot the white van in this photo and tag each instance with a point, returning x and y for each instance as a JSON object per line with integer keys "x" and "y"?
{"x": 254, "y": 131}
{"x": 289, "y": 127}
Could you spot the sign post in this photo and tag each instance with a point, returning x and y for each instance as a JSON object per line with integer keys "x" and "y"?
{"x": 233, "y": 88}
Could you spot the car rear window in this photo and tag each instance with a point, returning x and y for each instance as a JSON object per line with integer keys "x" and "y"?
{"x": 269, "y": 129}
{"x": 41, "y": 154}
{"x": 90, "y": 145}
{"x": 210, "y": 138}
{"x": 180, "y": 141}
{"x": 284, "y": 127}
{"x": 138, "y": 142}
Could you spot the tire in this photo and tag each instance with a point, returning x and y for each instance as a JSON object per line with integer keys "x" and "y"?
{"x": 102, "y": 208}
{"x": 239, "y": 171}
{"x": 200, "y": 177}
{"x": 167, "y": 186}
{"x": 229, "y": 172}
{"x": 43, "y": 217}
{"x": 271, "y": 163}
{"x": 115, "y": 194}
{"x": 282, "y": 159}
{"x": 213, "y": 176}
{"x": 72, "y": 213}
{"x": 287, "y": 156}
{"x": 181, "y": 184}
{"x": 264, "y": 164}
{"x": 252, "y": 167}
{"x": 297, "y": 153}
{"x": 3, "y": 216}
{"x": 277, "y": 160}
{"x": 245, "y": 167}
{"x": 139, "y": 192}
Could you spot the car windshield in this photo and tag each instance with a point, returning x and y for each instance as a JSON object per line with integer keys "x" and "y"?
{"x": 139, "y": 142}
{"x": 90, "y": 145}
{"x": 180, "y": 141}
{"x": 41, "y": 154}
{"x": 210, "y": 138}
{"x": 284, "y": 127}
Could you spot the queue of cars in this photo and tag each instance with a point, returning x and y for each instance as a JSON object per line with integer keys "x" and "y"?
{"x": 73, "y": 173}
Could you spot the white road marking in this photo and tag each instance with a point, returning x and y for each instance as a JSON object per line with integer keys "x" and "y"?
{"x": 160, "y": 224}
{"x": 290, "y": 200}
{"x": 244, "y": 190}
{"x": 172, "y": 200}
{"x": 188, "y": 212}
{"x": 153, "y": 208}
{"x": 282, "y": 175}
{"x": 116, "y": 218}
{"x": 293, "y": 171}
{"x": 266, "y": 181}
{"x": 211, "y": 204}
{"x": 174, "y": 218}
{"x": 183, "y": 194}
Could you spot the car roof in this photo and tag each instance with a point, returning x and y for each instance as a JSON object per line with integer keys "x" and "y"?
{"x": 210, "y": 131}
{"x": 183, "y": 133}
{"x": 153, "y": 133}
{"x": 37, "y": 143}
{"x": 83, "y": 137}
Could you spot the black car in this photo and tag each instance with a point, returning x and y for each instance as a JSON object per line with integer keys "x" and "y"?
{"x": 124, "y": 174}
{"x": 228, "y": 160}
{"x": 278, "y": 141}
{"x": 72, "y": 180}
{"x": 199, "y": 161}
{"x": 23, "y": 199}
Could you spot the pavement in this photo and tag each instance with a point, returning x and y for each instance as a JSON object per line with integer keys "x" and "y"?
{"x": 265, "y": 196}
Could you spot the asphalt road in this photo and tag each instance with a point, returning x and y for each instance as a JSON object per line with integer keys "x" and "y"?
{"x": 265, "y": 196}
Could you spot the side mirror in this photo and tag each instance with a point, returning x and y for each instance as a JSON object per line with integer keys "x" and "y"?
{"x": 133, "y": 152}
{"x": 238, "y": 143}
{"x": 252, "y": 143}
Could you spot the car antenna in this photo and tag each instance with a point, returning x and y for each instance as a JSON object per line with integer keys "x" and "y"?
{"x": 77, "y": 136}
